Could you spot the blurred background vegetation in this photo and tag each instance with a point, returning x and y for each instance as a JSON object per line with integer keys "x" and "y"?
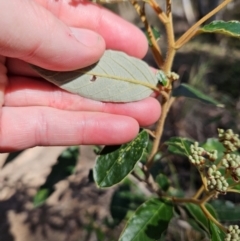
{"x": 76, "y": 210}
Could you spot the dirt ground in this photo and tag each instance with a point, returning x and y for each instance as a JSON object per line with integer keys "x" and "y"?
{"x": 68, "y": 210}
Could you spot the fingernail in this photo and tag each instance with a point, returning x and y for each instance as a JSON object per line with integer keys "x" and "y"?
{"x": 86, "y": 37}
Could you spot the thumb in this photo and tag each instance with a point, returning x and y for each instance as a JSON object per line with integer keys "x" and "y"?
{"x": 31, "y": 33}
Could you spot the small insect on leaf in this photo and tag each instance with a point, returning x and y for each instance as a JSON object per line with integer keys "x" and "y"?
{"x": 116, "y": 77}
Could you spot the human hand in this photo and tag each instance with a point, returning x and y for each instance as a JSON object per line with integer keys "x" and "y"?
{"x": 54, "y": 35}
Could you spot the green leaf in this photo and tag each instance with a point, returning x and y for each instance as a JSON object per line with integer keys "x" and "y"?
{"x": 40, "y": 197}
{"x": 216, "y": 233}
{"x": 116, "y": 77}
{"x": 123, "y": 200}
{"x": 148, "y": 222}
{"x": 197, "y": 213}
{"x": 63, "y": 168}
{"x": 162, "y": 78}
{"x": 213, "y": 144}
{"x": 179, "y": 145}
{"x": 163, "y": 181}
{"x": 231, "y": 28}
{"x": 190, "y": 92}
{"x": 227, "y": 211}
{"x": 116, "y": 162}
{"x": 156, "y": 35}
{"x": 196, "y": 226}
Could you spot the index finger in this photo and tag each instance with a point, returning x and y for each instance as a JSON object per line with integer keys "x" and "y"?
{"x": 117, "y": 32}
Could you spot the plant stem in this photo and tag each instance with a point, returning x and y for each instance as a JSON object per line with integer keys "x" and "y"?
{"x": 154, "y": 45}
{"x": 198, "y": 193}
{"x": 150, "y": 181}
{"x": 193, "y": 30}
{"x": 159, "y": 130}
{"x": 202, "y": 206}
{"x": 210, "y": 217}
{"x": 170, "y": 37}
{"x": 233, "y": 190}
{"x": 208, "y": 197}
{"x": 185, "y": 200}
{"x": 161, "y": 15}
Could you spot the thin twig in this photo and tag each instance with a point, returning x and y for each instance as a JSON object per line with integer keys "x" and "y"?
{"x": 210, "y": 217}
{"x": 208, "y": 197}
{"x": 199, "y": 192}
{"x": 161, "y": 15}
{"x": 170, "y": 37}
{"x": 154, "y": 45}
{"x": 149, "y": 180}
{"x": 159, "y": 130}
{"x": 193, "y": 30}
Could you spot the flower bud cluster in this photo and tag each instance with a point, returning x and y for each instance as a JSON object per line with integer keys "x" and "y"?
{"x": 233, "y": 233}
{"x": 232, "y": 163}
{"x": 216, "y": 181}
{"x": 230, "y": 140}
{"x": 199, "y": 156}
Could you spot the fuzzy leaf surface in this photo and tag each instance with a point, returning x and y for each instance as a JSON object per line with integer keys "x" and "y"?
{"x": 148, "y": 222}
{"x": 116, "y": 162}
{"x": 116, "y": 77}
{"x": 231, "y": 28}
{"x": 190, "y": 92}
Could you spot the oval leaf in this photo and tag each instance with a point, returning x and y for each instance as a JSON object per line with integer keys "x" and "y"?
{"x": 116, "y": 77}
{"x": 216, "y": 233}
{"x": 190, "y": 92}
{"x": 112, "y": 167}
{"x": 148, "y": 222}
{"x": 231, "y": 28}
{"x": 197, "y": 213}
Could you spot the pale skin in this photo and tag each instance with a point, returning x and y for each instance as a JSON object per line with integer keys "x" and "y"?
{"x": 62, "y": 35}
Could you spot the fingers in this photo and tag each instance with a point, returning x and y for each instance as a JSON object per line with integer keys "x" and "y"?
{"x": 25, "y": 127}
{"x": 118, "y": 33}
{"x": 33, "y": 34}
{"x": 32, "y": 92}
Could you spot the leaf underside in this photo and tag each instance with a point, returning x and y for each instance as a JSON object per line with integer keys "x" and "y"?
{"x": 116, "y": 77}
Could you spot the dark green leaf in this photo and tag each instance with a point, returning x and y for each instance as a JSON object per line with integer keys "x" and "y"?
{"x": 179, "y": 145}
{"x": 122, "y": 201}
{"x": 197, "y": 213}
{"x": 148, "y": 222}
{"x": 226, "y": 210}
{"x": 190, "y": 92}
{"x": 213, "y": 144}
{"x": 114, "y": 165}
{"x": 163, "y": 181}
{"x": 63, "y": 168}
{"x": 231, "y": 28}
{"x": 216, "y": 233}
{"x": 195, "y": 225}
